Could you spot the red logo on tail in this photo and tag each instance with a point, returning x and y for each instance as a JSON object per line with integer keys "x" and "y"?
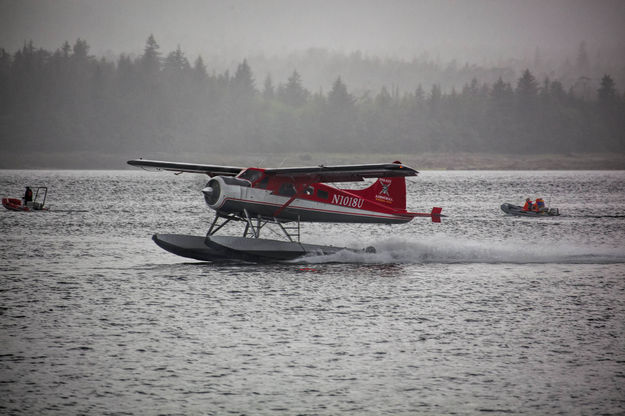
{"x": 384, "y": 193}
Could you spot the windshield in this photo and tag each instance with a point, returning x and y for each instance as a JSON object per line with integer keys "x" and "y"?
{"x": 251, "y": 175}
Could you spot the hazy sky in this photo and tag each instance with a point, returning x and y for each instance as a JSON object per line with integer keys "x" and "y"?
{"x": 399, "y": 28}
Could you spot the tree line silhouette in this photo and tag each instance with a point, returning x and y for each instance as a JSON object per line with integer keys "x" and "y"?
{"x": 68, "y": 100}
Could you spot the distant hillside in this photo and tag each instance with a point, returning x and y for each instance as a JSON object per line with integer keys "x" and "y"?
{"x": 69, "y": 102}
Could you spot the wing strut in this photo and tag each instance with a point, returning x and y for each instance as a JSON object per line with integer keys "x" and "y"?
{"x": 212, "y": 230}
{"x": 286, "y": 204}
{"x": 248, "y": 225}
{"x": 293, "y": 198}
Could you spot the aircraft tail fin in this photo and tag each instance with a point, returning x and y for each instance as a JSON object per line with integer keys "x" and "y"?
{"x": 387, "y": 191}
{"x": 436, "y": 214}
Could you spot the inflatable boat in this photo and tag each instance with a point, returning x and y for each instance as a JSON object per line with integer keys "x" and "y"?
{"x": 511, "y": 209}
{"x": 16, "y": 204}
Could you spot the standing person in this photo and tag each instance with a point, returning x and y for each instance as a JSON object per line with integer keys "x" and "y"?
{"x": 28, "y": 195}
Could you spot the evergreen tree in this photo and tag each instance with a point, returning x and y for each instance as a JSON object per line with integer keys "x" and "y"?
{"x": 200, "y": 75}
{"x": 5, "y": 83}
{"x": 545, "y": 91}
{"x": 606, "y": 94}
{"x": 243, "y": 81}
{"x": 583, "y": 62}
{"x": 268, "y": 90}
{"x": 339, "y": 98}
{"x": 80, "y": 70}
{"x": 557, "y": 92}
{"x": 293, "y": 93}
{"x": 126, "y": 74}
{"x": 150, "y": 60}
{"x": 435, "y": 98}
{"x": 526, "y": 95}
{"x": 501, "y": 93}
{"x": 339, "y": 118}
{"x": 611, "y": 115}
{"x": 383, "y": 99}
{"x": 66, "y": 49}
{"x": 500, "y": 114}
{"x": 176, "y": 63}
{"x": 419, "y": 94}
{"x": 527, "y": 89}
{"x": 80, "y": 50}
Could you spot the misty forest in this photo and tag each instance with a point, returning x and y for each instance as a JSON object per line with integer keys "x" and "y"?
{"x": 67, "y": 100}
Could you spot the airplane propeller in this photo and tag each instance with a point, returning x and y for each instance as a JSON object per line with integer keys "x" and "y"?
{"x": 211, "y": 191}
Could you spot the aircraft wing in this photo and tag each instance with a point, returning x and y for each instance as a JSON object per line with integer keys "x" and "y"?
{"x": 339, "y": 173}
{"x": 344, "y": 173}
{"x": 210, "y": 170}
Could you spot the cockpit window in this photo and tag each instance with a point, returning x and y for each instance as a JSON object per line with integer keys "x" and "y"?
{"x": 263, "y": 183}
{"x": 251, "y": 175}
{"x": 287, "y": 189}
{"x": 322, "y": 194}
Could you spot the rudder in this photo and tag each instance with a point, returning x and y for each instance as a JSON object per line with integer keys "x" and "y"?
{"x": 386, "y": 191}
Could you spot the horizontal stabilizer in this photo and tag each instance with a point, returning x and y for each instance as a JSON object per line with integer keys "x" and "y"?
{"x": 435, "y": 214}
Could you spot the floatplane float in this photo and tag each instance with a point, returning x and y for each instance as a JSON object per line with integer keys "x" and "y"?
{"x": 284, "y": 198}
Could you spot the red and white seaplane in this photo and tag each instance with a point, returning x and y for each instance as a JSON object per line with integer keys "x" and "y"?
{"x": 283, "y": 196}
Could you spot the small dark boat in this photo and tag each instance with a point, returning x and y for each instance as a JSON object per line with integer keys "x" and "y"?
{"x": 511, "y": 209}
{"x": 37, "y": 204}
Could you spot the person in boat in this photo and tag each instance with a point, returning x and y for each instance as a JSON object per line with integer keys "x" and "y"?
{"x": 528, "y": 205}
{"x": 28, "y": 195}
{"x": 540, "y": 205}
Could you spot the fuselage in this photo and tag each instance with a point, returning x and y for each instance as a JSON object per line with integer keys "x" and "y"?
{"x": 289, "y": 200}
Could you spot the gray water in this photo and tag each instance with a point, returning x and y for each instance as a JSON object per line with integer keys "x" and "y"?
{"x": 482, "y": 313}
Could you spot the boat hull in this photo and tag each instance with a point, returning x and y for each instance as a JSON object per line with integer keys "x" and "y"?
{"x": 14, "y": 204}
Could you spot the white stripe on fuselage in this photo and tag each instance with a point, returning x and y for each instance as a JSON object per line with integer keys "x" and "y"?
{"x": 265, "y": 197}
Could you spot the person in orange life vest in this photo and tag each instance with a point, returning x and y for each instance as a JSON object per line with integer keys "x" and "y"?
{"x": 540, "y": 205}
{"x": 528, "y": 205}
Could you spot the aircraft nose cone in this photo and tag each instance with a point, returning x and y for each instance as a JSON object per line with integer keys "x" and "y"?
{"x": 211, "y": 192}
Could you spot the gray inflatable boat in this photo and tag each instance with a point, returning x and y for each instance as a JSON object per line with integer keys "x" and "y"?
{"x": 511, "y": 209}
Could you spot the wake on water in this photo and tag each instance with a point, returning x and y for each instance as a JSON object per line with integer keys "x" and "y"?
{"x": 449, "y": 250}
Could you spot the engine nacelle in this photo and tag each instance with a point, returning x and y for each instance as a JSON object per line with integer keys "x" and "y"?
{"x": 218, "y": 189}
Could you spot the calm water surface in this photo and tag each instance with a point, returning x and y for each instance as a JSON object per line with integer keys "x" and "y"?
{"x": 482, "y": 313}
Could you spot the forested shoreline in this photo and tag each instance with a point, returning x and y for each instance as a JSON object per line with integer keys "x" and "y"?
{"x": 69, "y": 101}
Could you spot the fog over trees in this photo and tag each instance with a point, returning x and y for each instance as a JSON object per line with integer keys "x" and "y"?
{"x": 67, "y": 100}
